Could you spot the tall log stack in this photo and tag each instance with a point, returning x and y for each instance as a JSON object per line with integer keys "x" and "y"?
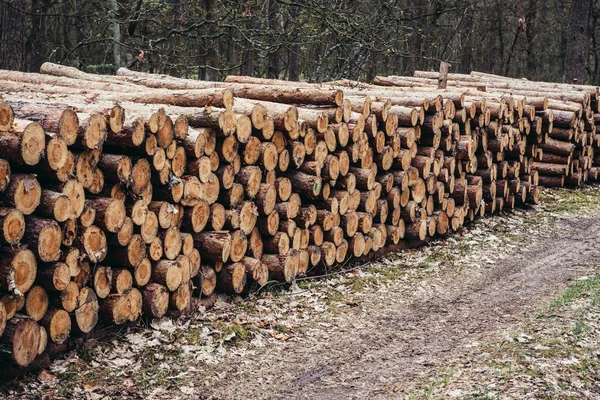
{"x": 138, "y": 194}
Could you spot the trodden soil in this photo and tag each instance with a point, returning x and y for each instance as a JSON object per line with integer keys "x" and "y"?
{"x": 405, "y": 334}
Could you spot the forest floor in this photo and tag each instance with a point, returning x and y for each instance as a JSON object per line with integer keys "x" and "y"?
{"x": 509, "y": 308}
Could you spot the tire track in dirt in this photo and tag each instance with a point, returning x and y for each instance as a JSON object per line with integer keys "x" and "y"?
{"x": 407, "y": 334}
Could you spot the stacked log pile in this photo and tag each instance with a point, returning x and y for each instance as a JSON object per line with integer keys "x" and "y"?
{"x": 563, "y": 148}
{"x": 138, "y": 194}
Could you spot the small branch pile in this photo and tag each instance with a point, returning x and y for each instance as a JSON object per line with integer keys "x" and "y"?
{"x": 140, "y": 194}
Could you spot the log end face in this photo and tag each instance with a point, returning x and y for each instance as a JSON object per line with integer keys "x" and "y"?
{"x": 136, "y": 250}
{"x": 24, "y": 266}
{"x": 26, "y": 342}
{"x": 68, "y": 126}
{"x": 57, "y": 153}
{"x": 149, "y": 228}
{"x": 290, "y": 266}
{"x": 95, "y": 132}
{"x": 4, "y": 174}
{"x": 243, "y": 128}
{"x": 143, "y": 272}
{"x": 50, "y": 239}
{"x": 156, "y": 300}
{"x": 116, "y": 117}
{"x": 226, "y": 248}
{"x": 36, "y": 303}
{"x": 69, "y": 298}
{"x": 13, "y": 227}
{"x": 86, "y": 316}
{"x": 3, "y": 318}
{"x": 62, "y": 209}
{"x": 94, "y": 241}
{"x": 238, "y": 277}
{"x": 6, "y": 116}
{"x": 140, "y": 176}
{"x": 174, "y": 277}
{"x": 136, "y": 302}
{"x": 28, "y": 195}
{"x": 239, "y": 245}
{"x": 115, "y": 216}
{"x": 338, "y": 97}
{"x": 33, "y": 143}
{"x": 60, "y": 327}
{"x": 61, "y": 277}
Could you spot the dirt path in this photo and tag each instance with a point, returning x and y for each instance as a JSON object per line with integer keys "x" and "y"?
{"x": 403, "y": 335}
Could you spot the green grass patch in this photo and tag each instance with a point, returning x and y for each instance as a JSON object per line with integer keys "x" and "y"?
{"x": 585, "y": 287}
{"x": 233, "y": 334}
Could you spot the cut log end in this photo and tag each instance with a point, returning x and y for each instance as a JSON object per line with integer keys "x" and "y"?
{"x": 24, "y": 334}
{"x": 58, "y": 325}
{"x": 56, "y": 153}
{"x": 27, "y": 193}
{"x": 33, "y": 143}
{"x": 13, "y": 226}
{"x": 6, "y": 116}
{"x": 86, "y": 315}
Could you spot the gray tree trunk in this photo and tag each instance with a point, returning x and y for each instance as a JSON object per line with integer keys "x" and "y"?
{"x": 114, "y": 7}
{"x": 577, "y": 40}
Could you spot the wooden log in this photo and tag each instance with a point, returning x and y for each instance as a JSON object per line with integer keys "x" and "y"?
{"x": 232, "y": 278}
{"x": 110, "y": 213}
{"x": 304, "y": 184}
{"x": 23, "y": 192}
{"x": 215, "y": 245}
{"x": 116, "y": 168}
{"x": 44, "y": 238}
{"x": 256, "y": 270}
{"x": 131, "y": 255}
{"x": 167, "y": 273}
{"x": 57, "y": 323}
{"x": 86, "y": 314}
{"x": 24, "y": 144}
{"x": 155, "y": 300}
{"x": 557, "y": 147}
{"x": 250, "y": 177}
{"x": 102, "y": 281}
{"x": 23, "y": 335}
{"x": 550, "y": 169}
{"x": 282, "y": 267}
{"x": 269, "y": 225}
{"x": 196, "y": 218}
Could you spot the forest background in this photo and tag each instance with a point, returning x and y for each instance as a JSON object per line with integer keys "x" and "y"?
{"x": 311, "y": 40}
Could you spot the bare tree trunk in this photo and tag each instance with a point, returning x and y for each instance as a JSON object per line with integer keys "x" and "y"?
{"x": 208, "y": 46}
{"x": 500, "y": 26}
{"x": 37, "y": 36}
{"x": 114, "y": 8}
{"x": 578, "y": 40}
{"x": 466, "y": 33}
{"x": 12, "y": 52}
{"x": 294, "y": 51}
{"x": 520, "y": 27}
{"x": 530, "y": 34}
{"x": 415, "y": 40}
{"x": 272, "y": 58}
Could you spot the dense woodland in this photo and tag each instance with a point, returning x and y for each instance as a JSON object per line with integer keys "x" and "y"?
{"x": 312, "y": 40}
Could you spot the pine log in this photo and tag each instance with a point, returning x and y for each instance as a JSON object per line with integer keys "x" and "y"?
{"x": 23, "y": 335}
{"x": 86, "y": 314}
{"x": 282, "y": 267}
